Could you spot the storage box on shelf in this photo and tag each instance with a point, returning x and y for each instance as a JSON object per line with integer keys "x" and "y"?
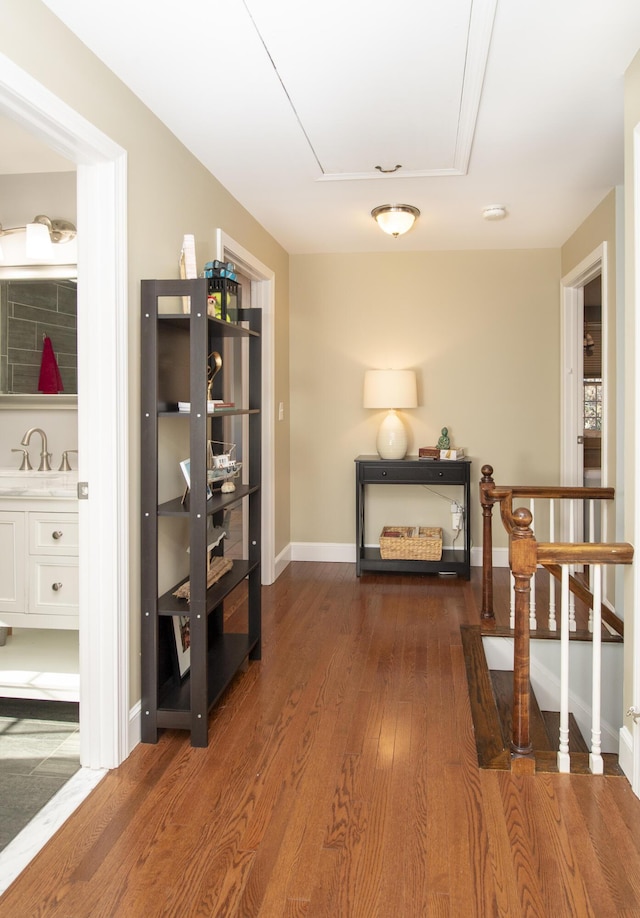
{"x": 176, "y": 347}
{"x": 419, "y": 543}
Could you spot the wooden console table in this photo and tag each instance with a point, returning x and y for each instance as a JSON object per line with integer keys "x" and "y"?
{"x": 413, "y": 471}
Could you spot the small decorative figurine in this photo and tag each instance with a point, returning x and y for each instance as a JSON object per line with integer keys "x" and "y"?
{"x": 443, "y": 442}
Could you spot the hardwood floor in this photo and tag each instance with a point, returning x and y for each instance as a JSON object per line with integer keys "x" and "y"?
{"x": 341, "y": 780}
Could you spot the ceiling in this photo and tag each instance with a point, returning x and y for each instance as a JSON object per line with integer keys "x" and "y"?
{"x": 292, "y": 106}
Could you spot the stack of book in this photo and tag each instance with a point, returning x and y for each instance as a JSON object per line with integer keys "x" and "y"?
{"x": 214, "y": 404}
{"x": 432, "y": 452}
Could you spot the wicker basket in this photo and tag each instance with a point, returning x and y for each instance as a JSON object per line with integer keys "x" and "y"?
{"x": 410, "y": 543}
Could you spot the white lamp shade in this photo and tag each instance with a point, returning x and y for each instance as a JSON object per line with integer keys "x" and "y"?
{"x": 390, "y": 389}
{"x": 38, "y": 242}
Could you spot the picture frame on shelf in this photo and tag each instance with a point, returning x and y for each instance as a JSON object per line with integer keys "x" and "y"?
{"x": 185, "y": 467}
{"x": 182, "y": 634}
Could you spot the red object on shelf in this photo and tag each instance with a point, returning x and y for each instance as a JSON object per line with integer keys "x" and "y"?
{"x": 50, "y": 381}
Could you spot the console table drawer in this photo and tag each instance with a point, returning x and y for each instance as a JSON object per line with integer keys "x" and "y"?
{"x": 414, "y": 472}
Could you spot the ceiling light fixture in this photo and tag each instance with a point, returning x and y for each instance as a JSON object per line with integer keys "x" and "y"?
{"x": 41, "y": 233}
{"x": 395, "y": 219}
{"x": 495, "y": 212}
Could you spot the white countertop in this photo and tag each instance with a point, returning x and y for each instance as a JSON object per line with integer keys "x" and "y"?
{"x": 32, "y": 484}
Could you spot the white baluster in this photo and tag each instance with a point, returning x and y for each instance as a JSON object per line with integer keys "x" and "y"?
{"x": 533, "y": 623}
{"x": 592, "y": 538}
{"x": 572, "y": 538}
{"x": 553, "y": 625}
{"x": 564, "y": 762}
{"x": 596, "y": 763}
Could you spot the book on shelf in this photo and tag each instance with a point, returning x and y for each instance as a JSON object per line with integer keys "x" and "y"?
{"x": 214, "y": 404}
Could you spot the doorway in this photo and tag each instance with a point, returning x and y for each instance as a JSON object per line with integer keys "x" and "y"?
{"x": 102, "y": 408}
{"x": 592, "y": 395}
{"x": 261, "y": 279}
{"x": 585, "y": 284}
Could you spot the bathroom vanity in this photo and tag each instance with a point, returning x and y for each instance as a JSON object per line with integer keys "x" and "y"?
{"x": 38, "y": 549}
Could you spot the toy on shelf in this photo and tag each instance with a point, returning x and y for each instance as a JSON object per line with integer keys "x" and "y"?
{"x": 222, "y": 466}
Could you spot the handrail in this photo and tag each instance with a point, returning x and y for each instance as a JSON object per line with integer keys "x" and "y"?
{"x": 491, "y": 494}
{"x": 525, "y": 555}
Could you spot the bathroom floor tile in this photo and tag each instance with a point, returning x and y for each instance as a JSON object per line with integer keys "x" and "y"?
{"x": 39, "y": 752}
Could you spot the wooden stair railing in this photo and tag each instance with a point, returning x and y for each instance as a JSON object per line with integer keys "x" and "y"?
{"x": 491, "y": 494}
{"x": 525, "y": 555}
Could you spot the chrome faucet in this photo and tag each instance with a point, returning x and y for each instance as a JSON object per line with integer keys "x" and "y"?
{"x": 45, "y": 465}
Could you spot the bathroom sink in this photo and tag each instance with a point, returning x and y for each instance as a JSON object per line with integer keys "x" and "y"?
{"x": 38, "y": 484}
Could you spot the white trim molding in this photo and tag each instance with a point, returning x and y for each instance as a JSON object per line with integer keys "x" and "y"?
{"x": 262, "y": 297}
{"x": 102, "y": 406}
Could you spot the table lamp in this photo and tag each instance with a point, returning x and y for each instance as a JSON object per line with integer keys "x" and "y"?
{"x": 392, "y": 389}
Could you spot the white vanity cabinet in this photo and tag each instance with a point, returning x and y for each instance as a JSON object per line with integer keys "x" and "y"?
{"x": 38, "y": 563}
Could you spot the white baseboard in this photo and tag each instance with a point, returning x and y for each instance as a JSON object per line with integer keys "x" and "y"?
{"x": 323, "y": 551}
{"x": 135, "y": 726}
{"x": 282, "y": 560}
{"x": 625, "y": 754}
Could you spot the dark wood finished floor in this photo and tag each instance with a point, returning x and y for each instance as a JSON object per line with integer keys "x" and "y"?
{"x": 342, "y": 780}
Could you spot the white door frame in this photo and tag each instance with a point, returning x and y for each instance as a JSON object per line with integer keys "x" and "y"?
{"x": 263, "y": 297}
{"x": 571, "y": 365}
{"x": 633, "y": 526}
{"x": 102, "y": 406}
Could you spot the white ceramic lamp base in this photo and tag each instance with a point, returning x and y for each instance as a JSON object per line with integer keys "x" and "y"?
{"x": 391, "y": 441}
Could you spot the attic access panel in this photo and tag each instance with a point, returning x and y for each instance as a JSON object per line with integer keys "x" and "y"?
{"x": 373, "y": 85}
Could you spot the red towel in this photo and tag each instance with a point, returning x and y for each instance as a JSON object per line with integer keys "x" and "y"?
{"x": 50, "y": 381}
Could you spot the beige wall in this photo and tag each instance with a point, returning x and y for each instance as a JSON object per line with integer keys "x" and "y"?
{"x": 481, "y": 329}
{"x": 169, "y": 193}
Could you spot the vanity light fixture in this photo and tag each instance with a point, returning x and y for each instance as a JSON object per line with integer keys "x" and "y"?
{"x": 41, "y": 234}
{"x": 395, "y": 219}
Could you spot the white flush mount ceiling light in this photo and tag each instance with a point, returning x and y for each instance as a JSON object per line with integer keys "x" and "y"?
{"x": 495, "y": 212}
{"x": 395, "y": 219}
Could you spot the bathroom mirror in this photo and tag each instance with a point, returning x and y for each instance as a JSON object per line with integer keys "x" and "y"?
{"x": 37, "y": 301}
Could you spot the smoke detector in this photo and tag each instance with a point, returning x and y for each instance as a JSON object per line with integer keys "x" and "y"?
{"x": 495, "y": 212}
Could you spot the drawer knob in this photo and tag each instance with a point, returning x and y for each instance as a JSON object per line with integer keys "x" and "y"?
{"x": 384, "y": 474}
{"x": 440, "y": 474}
{"x": 57, "y": 534}
{"x": 56, "y": 586}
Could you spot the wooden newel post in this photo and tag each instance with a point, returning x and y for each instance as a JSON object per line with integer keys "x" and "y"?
{"x": 486, "y": 484}
{"x": 523, "y": 563}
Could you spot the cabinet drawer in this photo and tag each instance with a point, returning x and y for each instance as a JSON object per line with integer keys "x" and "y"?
{"x": 53, "y": 586}
{"x": 53, "y": 533}
{"x": 413, "y": 472}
